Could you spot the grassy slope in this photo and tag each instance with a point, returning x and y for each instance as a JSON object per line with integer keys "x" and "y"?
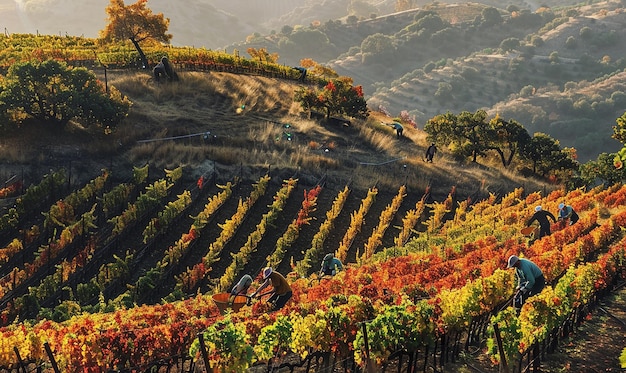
{"x": 482, "y": 76}
{"x": 257, "y": 136}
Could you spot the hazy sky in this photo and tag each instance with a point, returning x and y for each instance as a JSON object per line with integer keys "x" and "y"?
{"x": 201, "y": 23}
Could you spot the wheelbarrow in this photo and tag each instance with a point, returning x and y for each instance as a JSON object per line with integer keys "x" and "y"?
{"x": 531, "y": 232}
{"x": 226, "y": 302}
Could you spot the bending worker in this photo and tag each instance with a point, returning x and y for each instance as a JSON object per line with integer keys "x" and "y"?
{"x": 330, "y": 265}
{"x": 542, "y": 216}
{"x": 567, "y": 212}
{"x": 529, "y": 278}
{"x": 430, "y": 152}
{"x": 281, "y": 292}
{"x": 242, "y": 286}
{"x": 399, "y": 129}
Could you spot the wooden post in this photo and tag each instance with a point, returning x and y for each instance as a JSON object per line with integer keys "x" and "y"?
{"x": 205, "y": 356}
{"x": 504, "y": 367}
{"x": 369, "y": 366}
{"x": 51, "y": 357}
{"x": 19, "y": 359}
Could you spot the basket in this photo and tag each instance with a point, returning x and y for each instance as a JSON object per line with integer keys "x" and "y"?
{"x": 529, "y": 231}
{"x": 225, "y": 302}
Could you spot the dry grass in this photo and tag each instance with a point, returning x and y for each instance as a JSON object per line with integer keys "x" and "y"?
{"x": 378, "y": 138}
{"x": 12, "y": 154}
{"x": 269, "y": 132}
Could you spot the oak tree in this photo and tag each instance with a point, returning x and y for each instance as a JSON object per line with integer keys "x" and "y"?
{"x": 507, "y": 138}
{"x": 52, "y": 92}
{"x": 137, "y": 23}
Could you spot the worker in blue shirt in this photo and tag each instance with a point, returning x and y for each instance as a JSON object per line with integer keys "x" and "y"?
{"x": 529, "y": 278}
{"x": 567, "y": 212}
{"x": 330, "y": 265}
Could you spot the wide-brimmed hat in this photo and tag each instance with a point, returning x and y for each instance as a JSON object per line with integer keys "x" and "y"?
{"x": 513, "y": 259}
{"x": 267, "y": 271}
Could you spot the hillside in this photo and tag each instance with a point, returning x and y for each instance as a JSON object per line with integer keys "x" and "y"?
{"x": 551, "y": 66}
{"x": 229, "y": 127}
{"x": 270, "y": 132}
{"x": 448, "y": 57}
{"x": 238, "y": 128}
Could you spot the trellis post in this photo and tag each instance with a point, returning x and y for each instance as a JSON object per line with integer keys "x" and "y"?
{"x": 205, "y": 356}
{"x": 504, "y": 367}
{"x": 19, "y": 359}
{"x": 51, "y": 357}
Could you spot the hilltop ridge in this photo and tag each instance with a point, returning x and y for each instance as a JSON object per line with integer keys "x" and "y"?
{"x": 242, "y": 124}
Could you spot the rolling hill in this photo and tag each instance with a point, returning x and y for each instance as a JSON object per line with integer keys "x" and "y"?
{"x": 550, "y": 69}
{"x": 244, "y": 127}
{"x": 551, "y": 66}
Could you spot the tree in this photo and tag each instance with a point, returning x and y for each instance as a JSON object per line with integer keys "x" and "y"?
{"x": 439, "y": 128}
{"x": 286, "y": 30}
{"x": 338, "y": 96}
{"x": 430, "y": 23}
{"x": 378, "y": 44}
{"x": 468, "y": 134}
{"x": 507, "y": 136}
{"x": 377, "y": 48}
{"x": 316, "y": 69}
{"x": 444, "y": 92}
{"x": 53, "y": 92}
{"x": 571, "y": 42}
{"x": 262, "y": 55}
{"x": 619, "y": 130}
{"x": 472, "y": 133}
{"x": 602, "y": 170}
{"x": 491, "y": 16}
{"x": 547, "y": 156}
{"x": 136, "y": 23}
{"x": 509, "y": 44}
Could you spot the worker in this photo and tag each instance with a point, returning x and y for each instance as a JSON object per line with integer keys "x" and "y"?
{"x": 330, "y": 265}
{"x": 399, "y": 129}
{"x": 567, "y": 212}
{"x": 529, "y": 279}
{"x": 302, "y": 71}
{"x": 430, "y": 152}
{"x": 242, "y": 286}
{"x": 160, "y": 70}
{"x": 542, "y": 216}
{"x": 281, "y": 292}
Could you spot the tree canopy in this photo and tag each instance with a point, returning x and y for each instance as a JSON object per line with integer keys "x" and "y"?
{"x": 338, "y": 96}
{"x": 53, "y": 92}
{"x": 137, "y": 23}
{"x": 472, "y": 135}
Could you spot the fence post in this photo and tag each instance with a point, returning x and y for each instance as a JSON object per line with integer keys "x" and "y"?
{"x": 205, "y": 356}
{"x": 369, "y": 366}
{"x": 504, "y": 367}
{"x": 19, "y": 359}
{"x": 51, "y": 357}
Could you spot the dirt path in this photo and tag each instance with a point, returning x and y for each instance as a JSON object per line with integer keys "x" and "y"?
{"x": 597, "y": 344}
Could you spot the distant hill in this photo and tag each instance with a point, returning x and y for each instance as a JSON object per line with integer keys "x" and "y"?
{"x": 538, "y": 63}
{"x": 465, "y": 57}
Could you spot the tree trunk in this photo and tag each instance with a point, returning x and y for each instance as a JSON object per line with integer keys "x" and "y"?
{"x": 511, "y": 155}
{"x": 144, "y": 59}
{"x": 501, "y": 154}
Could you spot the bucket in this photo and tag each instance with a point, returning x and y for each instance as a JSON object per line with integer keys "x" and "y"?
{"x": 224, "y": 302}
{"x": 529, "y": 231}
